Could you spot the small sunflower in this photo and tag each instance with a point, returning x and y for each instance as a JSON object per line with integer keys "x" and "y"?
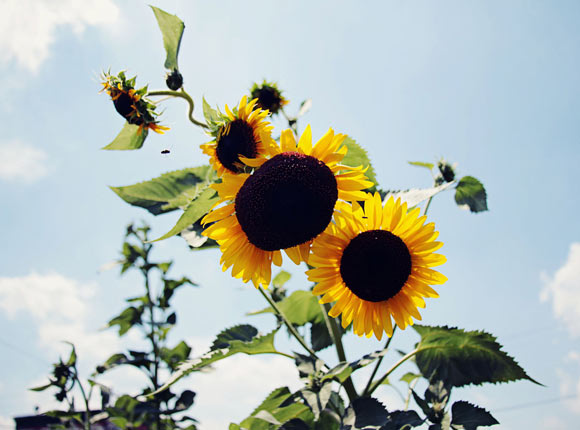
{"x": 269, "y": 97}
{"x": 130, "y": 103}
{"x": 283, "y": 205}
{"x": 243, "y": 132}
{"x": 376, "y": 264}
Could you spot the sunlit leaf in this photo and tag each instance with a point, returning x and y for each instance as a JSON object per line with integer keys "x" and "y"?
{"x": 460, "y": 357}
{"x": 470, "y": 194}
{"x": 130, "y": 137}
{"x": 357, "y": 156}
{"x": 300, "y": 307}
{"x": 415, "y": 196}
{"x": 172, "y": 29}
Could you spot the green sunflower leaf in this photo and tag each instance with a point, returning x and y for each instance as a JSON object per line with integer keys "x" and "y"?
{"x": 258, "y": 344}
{"x": 470, "y": 194}
{"x": 460, "y": 357}
{"x": 422, "y": 164}
{"x": 130, "y": 137}
{"x": 172, "y": 30}
{"x": 402, "y": 420}
{"x": 41, "y": 388}
{"x": 281, "y": 278}
{"x": 468, "y": 417}
{"x": 414, "y": 196}
{"x": 242, "y": 332}
{"x": 211, "y": 115}
{"x": 300, "y": 307}
{"x": 169, "y": 191}
{"x": 365, "y": 412}
{"x": 357, "y": 156}
{"x": 193, "y": 212}
{"x": 343, "y": 370}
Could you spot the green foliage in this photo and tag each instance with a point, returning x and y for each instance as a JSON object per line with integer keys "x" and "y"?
{"x": 130, "y": 137}
{"x": 212, "y": 116}
{"x": 468, "y": 417}
{"x": 173, "y": 357}
{"x": 170, "y": 191}
{"x": 461, "y": 357}
{"x": 415, "y": 196}
{"x": 343, "y": 370}
{"x": 422, "y": 164}
{"x": 127, "y": 319}
{"x": 358, "y": 156}
{"x": 172, "y": 29}
{"x": 301, "y": 307}
{"x": 242, "y": 332}
{"x": 470, "y": 194}
{"x": 402, "y": 420}
{"x": 365, "y": 412}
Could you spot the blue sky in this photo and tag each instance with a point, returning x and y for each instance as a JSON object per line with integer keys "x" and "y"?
{"x": 491, "y": 85}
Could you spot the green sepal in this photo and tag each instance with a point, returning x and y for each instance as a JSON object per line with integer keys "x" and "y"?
{"x": 459, "y": 357}
{"x": 172, "y": 30}
{"x": 130, "y": 137}
{"x": 470, "y": 194}
{"x": 358, "y": 156}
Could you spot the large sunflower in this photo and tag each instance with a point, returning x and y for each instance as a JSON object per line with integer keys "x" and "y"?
{"x": 375, "y": 264}
{"x": 243, "y": 132}
{"x": 283, "y": 205}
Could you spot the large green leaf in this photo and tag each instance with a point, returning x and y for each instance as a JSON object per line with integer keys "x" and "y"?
{"x": 300, "y": 307}
{"x": 357, "y": 156}
{"x": 172, "y": 29}
{"x": 193, "y": 212}
{"x": 131, "y": 136}
{"x": 169, "y": 191}
{"x": 459, "y": 357}
{"x": 242, "y": 332}
{"x": 470, "y": 194}
{"x": 256, "y": 345}
{"x": 469, "y": 417}
{"x": 365, "y": 412}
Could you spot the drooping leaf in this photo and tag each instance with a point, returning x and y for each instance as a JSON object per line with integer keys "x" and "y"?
{"x": 357, "y": 156}
{"x": 242, "y": 332}
{"x": 365, "y": 412}
{"x": 466, "y": 416}
{"x": 300, "y": 307}
{"x": 470, "y": 194}
{"x": 460, "y": 357}
{"x": 169, "y": 191}
{"x": 172, "y": 29}
{"x": 343, "y": 370}
{"x": 41, "y": 388}
{"x": 415, "y": 196}
{"x": 260, "y": 344}
{"x": 421, "y": 164}
{"x": 402, "y": 420}
{"x": 130, "y": 137}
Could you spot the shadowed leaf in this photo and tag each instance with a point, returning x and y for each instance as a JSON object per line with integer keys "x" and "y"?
{"x": 130, "y": 137}
{"x": 470, "y": 194}
{"x": 172, "y": 29}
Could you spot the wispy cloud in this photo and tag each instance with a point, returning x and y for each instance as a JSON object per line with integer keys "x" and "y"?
{"x": 563, "y": 289}
{"x": 28, "y": 27}
{"x": 21, "y": 162}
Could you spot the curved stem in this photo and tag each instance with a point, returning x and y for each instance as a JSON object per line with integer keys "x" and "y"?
{"x": 337, "y": 339}
{"x": 376, "y": 384}
{"x": 182, "y": 94}
{"x": 288, "y": 324}
{"x": 379, "y": 361}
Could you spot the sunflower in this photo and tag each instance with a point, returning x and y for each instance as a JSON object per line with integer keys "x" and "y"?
{"x": 244, "y": 132}
{"x": 375, "y": 263}
{"x": 269, "y": 96}
{"x": 283, "y": 205}
{"x": 130, "y": 103}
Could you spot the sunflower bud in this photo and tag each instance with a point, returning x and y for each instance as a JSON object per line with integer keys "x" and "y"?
{"x": 447, "y": 170}
{"x": 174, "y": 80}
{"x": 269, "y": 97}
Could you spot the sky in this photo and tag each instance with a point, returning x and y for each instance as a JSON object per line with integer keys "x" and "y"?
{"x": 490, "y": 85}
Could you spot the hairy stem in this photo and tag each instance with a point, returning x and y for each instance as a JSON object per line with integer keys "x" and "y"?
{"x": 184, "y": 95}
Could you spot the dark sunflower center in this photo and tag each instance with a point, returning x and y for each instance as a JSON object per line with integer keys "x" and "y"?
{"x": 375, "y": 265}
{"x": 124, "y": 105}
{"x": 289, "y": 200}
{"x": 235, "y": 138}
{"x": 268, "y": 98}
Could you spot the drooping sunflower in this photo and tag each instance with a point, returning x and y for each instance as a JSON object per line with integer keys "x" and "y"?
{"x": 131, "y": 103}
{"x": 375, "y": 263}
{"x": 269, "y": 96}
{"x": 283, "y": 205}
{"x": 244, "y": 132}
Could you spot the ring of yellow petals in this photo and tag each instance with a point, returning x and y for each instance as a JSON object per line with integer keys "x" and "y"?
{"x": 255, "y": 118}
{"x": 250, "y": 262}
{"x": 375, "y": 317}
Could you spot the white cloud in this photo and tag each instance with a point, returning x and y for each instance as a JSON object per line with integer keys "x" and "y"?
{"x": 7, "y": 423}
{"x": 564, "y": 290}
{"x": 28, "y": 27}
{"x": 20, "y": 162}
{"x": 553, "y": 423}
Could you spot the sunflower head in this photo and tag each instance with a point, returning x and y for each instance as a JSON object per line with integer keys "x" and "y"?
{"x": 269, "y": 97}
{"x": 174, "y": 80}
{"x": 375, "y": 263}
{"x": 130, "y": 103}
{"x": 284, "y": 204}
{"x": 241, "y": 132}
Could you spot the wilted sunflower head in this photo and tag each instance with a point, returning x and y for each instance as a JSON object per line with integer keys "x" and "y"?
{"x": 375, "y": 263}
{"x": 269, "y": 96}
{"x": 241, "y": 132}
{"x": 285, "y": 203}
{"x": 130, "y": 103}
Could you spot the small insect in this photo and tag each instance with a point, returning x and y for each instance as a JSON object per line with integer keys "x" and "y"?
{"x": 165, "y": 151}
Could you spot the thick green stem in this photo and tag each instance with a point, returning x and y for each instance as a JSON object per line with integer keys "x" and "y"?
{"x": 379, "y": 361}
{"x": 182, "y": 94}
{"x": 288, "y": 324}
{"x": 382, "y": 379}
{"x": 337, "y": 339}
